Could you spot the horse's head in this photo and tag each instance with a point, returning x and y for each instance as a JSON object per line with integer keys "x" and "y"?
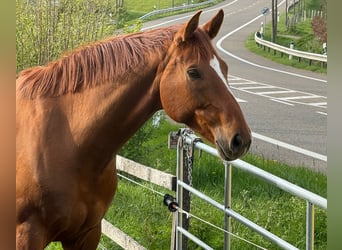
{"x": 194, "y": 89}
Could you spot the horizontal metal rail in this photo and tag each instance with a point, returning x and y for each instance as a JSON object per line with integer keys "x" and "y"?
{"x": 270, "y": 178}
{"x": 194, "y": 238}
{"x": 289, "y": 51}
{"x": 275, "y": 239}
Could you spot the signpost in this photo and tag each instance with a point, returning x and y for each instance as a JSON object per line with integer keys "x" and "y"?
{"x": 264, "y": 12}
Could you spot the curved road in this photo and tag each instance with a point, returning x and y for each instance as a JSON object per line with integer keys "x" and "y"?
{"x": 285, "y": 107}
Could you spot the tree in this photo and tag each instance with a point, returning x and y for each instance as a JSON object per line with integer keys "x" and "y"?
{"x": 119, "y": 4}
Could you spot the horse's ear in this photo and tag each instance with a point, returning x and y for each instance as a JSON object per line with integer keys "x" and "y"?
{"x": 188, "y": 29}
{"x": 213, "y": 26}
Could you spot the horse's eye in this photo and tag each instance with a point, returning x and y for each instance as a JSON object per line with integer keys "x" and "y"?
{"x": 194, "y": 73}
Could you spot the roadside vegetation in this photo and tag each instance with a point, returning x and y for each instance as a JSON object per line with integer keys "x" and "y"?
{"x": 307, "y": 32}
{"x": 45, "y": 29}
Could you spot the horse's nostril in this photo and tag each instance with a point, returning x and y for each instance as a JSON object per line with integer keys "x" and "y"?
{"x": 236, "y": 143}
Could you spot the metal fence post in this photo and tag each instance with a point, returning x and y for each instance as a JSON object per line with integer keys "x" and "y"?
{"x": 183, "y": 195}
{"x": 227, "y": 202}
{"x": 309, "y": 226}
{"x": 185, "y": 158}
{"x": 174, "y": 143}
{"x": 179, "y": 195}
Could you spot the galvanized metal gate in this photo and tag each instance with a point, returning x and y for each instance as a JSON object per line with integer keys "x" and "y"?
{"x": 185, "y": 141}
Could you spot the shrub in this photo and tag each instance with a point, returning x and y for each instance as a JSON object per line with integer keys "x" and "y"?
{"x": 319, "y": 27}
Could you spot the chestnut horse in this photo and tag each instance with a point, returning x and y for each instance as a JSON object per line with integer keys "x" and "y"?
{"x": 74, "y": 115}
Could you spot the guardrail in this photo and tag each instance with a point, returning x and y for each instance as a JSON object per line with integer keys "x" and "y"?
{"x": 291, "y": 52}
{"x": 178, "y": 8}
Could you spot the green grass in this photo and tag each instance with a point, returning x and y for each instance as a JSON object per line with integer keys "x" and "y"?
{"x": 141, "y": 213}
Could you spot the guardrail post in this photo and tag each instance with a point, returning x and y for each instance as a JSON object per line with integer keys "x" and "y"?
{"x": 291, "y": 47}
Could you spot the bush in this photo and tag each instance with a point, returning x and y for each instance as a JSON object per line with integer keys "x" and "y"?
{"x": 319, "y": 27}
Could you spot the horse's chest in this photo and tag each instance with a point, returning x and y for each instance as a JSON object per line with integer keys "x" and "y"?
{"x": 97, "y": 193}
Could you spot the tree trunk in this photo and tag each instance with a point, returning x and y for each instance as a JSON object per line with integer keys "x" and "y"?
{"x": 274, "y": 19}
{"x": 286, "y": 15}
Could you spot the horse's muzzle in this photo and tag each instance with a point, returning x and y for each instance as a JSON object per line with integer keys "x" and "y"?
{"x": 237, "y": 147}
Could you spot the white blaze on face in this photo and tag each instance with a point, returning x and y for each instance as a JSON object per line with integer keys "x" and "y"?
{"x": 215, "y": 64}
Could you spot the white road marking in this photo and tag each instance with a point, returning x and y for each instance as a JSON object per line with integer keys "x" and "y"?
{"x": 318, "y": 104}
{"x": 278, "y": 94}
{"x": 243, "y": 83}
{"x": 240, "y": 100}
{"x": 257, "y": 87}
{"x": 299, "y": 97}
{"x": 290, "y": 146}
{"x": 282, "y": 102}
{"x": 322, "y": 113}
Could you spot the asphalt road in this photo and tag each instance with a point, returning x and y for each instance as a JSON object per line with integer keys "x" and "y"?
{"x": 286, "y": 108}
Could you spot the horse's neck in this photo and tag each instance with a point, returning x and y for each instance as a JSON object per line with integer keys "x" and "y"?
{"x": 104, "y": 118}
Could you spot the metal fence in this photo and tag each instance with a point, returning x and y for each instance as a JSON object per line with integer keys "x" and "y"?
{"x": 187, "y": 142}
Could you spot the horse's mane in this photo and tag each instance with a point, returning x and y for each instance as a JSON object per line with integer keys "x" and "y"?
{"x": 93, "y": 64}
